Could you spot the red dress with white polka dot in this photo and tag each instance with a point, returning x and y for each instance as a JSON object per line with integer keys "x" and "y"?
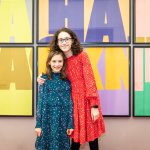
{"x": 84, "y": 95}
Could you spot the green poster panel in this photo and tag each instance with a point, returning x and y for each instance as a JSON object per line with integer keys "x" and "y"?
{"x": 141, "y": 105}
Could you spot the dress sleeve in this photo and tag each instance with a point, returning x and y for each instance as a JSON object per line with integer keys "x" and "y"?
{"x": 39, "y": 107}
{"x": 90, "y": 84}
{"x": 70, "y": 120}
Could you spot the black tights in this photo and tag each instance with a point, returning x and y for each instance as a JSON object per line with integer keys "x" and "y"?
{"x": 93, "y": 145}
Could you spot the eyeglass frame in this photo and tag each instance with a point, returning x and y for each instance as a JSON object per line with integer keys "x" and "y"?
{"x": 61, "y": 40}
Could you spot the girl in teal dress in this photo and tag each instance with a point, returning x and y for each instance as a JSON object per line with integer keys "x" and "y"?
{"x": 54, "y": 117}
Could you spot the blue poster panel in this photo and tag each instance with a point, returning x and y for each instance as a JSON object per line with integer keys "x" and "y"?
{"x": 98, "y": 21}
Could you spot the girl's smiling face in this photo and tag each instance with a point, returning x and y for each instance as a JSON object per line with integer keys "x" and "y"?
{"x": 64, "y": 41}
{"x": 56, "y": 63}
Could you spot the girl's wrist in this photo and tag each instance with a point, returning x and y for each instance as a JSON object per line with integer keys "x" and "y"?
{"x": 95, "y": 106}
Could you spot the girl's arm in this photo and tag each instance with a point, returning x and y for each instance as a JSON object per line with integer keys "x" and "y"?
{"x": 70, "y": 115}
{"x": 39, "y": 108}
{"x": 90, "y": 84}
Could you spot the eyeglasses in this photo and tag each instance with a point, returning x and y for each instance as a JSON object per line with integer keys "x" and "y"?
{"x": 64, "y": 40}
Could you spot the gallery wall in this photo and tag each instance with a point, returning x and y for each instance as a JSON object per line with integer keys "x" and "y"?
{"x": 116, "y": 36}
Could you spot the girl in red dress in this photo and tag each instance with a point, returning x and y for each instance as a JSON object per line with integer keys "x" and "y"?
{"x": 88, "y": 119}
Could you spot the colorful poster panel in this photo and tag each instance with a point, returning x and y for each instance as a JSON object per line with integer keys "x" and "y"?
{"x": 141, "y": 107}
{"x": 111, "y": 67}
{"x": 16, "y": 81}
{"x": 94, "y": 22}
{"x": 16, "y": 23}
{"x": 141, "y": 21}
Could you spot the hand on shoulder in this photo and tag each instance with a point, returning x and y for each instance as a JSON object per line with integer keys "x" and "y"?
{"x": 40, "y": 80}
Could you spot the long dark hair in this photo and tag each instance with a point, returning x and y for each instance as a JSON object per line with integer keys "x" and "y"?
{"x": 48, "y": 67}
{"x": 76, "y": 47}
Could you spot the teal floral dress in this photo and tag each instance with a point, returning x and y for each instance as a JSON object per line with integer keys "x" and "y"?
{"x": 54, "y": 114}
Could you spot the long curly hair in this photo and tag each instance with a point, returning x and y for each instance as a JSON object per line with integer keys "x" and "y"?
{"x": 76, "y": 47}
{"x": 48, "y": 67}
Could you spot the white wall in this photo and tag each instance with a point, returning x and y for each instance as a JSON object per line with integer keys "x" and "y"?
{"x": 121, "y": 134}
{"x": 17, "y": 133}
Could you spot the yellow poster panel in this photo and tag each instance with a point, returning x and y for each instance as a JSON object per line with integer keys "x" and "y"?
{"x": 16, "y": 81}
{"x": 42, "y": 57}
{"x": 16, "y": 23}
